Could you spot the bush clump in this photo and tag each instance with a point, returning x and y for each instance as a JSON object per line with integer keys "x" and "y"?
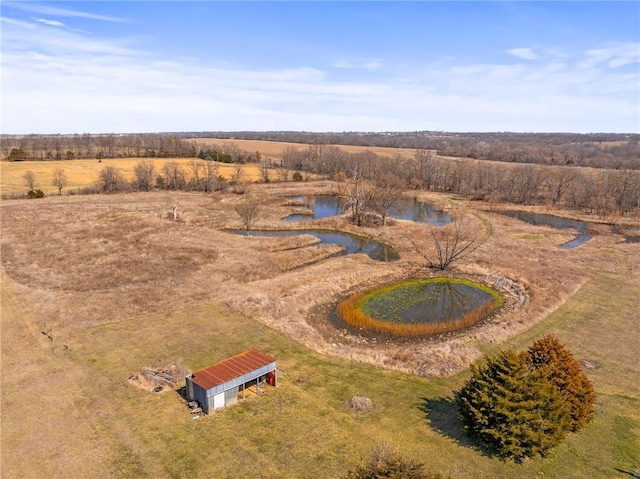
{"x": 565, "y": 373}
{"x": 359, "y": 404}
{"x": 523, "y": 403}
{"x": 387, "y": 463}
{"x": 35, "y": 194}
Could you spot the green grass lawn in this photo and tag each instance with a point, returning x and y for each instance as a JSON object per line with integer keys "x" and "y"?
{"x": 302, "y": 428}
{"x": 89, "y": 411}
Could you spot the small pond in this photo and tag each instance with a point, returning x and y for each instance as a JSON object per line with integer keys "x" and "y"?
{"x": 352, "y": 244}
{"x": 322, "y": 206}
{"x": 325, "y": 206}
{"x": 540, "y": 219}
{"x": 420, "y": 307}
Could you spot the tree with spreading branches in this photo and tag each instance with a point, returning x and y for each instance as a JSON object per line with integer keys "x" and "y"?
{"x": 248, "y": 213}
{"x": 59, "y": 179}
{"x": 448, "y": 244}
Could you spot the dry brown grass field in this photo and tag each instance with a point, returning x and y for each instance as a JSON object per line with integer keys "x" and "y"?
{"x": 122, "y": 286}
{"x": 81, "y": 173}
{"x": 274, "y": 149}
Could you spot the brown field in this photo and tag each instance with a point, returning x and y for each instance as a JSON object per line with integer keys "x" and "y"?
{"x": 122, "y": 287}
{"x": 81, "y": 173}
{"x": 274, "y": 149}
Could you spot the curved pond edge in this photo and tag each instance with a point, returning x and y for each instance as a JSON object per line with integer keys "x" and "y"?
{"x": 376, "y": 250}
{"x": 349, "y": 311}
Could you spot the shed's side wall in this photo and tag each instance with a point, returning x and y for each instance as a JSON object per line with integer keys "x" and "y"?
{"x": 225, "y": 394}
{"x": 199, "y": 394}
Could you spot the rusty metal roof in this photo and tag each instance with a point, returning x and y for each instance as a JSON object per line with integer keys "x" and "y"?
{"x": 231, "y": 368}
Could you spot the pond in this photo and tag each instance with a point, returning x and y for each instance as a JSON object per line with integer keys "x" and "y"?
{"x": 540, "y": 219}
{"x": 325, "y": 206}
{"x": 352, "y": 244}
{"x": 420, "y": 307}
{"x": 322, "y": 206}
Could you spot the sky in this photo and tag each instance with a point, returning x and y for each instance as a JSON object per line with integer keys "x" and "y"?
{"x": 160, "y": 66}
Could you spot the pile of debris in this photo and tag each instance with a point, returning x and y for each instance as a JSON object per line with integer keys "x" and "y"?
{"x": 158, "y": 378}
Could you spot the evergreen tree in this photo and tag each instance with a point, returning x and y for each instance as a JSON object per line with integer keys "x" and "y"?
{"x": 565, "y": 373}
{"x": 513, "y": 407}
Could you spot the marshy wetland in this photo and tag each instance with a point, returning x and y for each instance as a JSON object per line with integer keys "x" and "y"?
{"x": 421, "y": 307}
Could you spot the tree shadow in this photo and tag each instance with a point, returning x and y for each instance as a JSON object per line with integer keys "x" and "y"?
{"x": 182, "y": 392}
{"x": 634, "y": 474}
{"x": 442, "y": 415}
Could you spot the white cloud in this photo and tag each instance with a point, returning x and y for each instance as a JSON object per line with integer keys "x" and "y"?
{"x": 61, "y": 12}
{"x": 51, "y": 23}
{"x": 523, "y": 53}
{"x": 60, "y": 81}
{"x": 368, "y": 65}
{"x": 615, "y": 55}
{"x": 17, "y": 23}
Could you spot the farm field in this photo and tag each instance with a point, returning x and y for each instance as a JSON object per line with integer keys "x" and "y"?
{"x": 123, "y": 287}
{"x": 274, "y": 149}
{"x": 82, "y": 173}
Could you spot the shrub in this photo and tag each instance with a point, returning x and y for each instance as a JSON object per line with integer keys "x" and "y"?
{"x": 560, "y": 368}
{"x": 35, "y": 194}
{"x": 387, "y": 463}
{"x": 359, "y": 404}
{"x": 512, "y": 407}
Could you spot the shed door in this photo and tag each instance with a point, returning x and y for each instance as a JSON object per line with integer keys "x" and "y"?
{"x": 218, "y": 401}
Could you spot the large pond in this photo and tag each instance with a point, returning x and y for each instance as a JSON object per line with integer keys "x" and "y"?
{"x": 420, "y": 307}
{"x": 540, "y": 219}
{"x": 352, "y": 244}
{"x": 325, "y": 206}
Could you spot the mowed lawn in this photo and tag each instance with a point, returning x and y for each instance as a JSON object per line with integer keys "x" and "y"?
{"x": 72, "y": 413}
{"x": 82, "y": 173}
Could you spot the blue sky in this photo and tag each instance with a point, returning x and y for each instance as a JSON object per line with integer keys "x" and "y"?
{"x": 102, "y": 67}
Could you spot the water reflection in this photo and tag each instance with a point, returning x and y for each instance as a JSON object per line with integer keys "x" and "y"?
{"x": 325, "y": 206}
{"x": 425, "y": 302}
{"x": 540, "y": 219}
{"x": 352, "y": 244}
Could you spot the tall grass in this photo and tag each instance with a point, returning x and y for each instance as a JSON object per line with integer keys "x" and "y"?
{"x": 351, "y": 313}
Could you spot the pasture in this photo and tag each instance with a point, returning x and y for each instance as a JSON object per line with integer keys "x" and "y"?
{"x": 82, "y": 173}
{"x": 122, "y": 287}
{"x": 274, "y": 149}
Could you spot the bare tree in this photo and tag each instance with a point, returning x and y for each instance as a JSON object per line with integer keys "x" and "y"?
{"x": 175, "y": 175}
{"x": 239, "y": 180}
{"x": 426, "y": 167}
{"x": 59, "y": 179}
{"x": 29, "y": 180}
{"x": 449, "y": 244}
{"x": 386, "y": 193}
{"x": 558, "y": 182}
{"x": 357, "y": 193}
{"x": 196, "y": 168}
{"x": 625, "y": 189}
{"x": 209, "y": 176}
{"x": 264, "y": 171}
{"x": 144, "y": 172}
{"x": 111, "y": 179}
{"x": 248, "y": 213}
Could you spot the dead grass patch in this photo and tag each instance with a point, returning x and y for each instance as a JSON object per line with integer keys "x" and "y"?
{"x": 86, "y": 421}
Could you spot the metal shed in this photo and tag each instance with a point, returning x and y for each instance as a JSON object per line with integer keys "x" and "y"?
{"x": 223, "y": 383}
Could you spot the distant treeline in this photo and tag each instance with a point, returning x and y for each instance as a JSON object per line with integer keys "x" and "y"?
{"x": 598, "y": 150}
{"x": 150, "y": 145}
